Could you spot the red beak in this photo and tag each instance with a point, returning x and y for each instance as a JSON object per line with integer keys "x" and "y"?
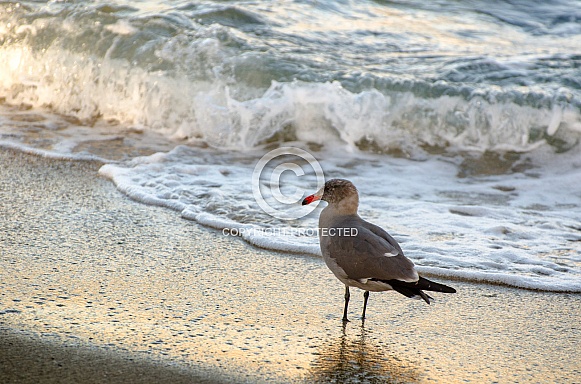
{"x": 310, "y": 199}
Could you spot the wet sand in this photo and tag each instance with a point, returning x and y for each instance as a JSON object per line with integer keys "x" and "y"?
{"x": 97, "y": 288}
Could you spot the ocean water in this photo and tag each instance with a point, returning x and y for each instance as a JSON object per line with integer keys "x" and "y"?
{"x": 459, "y": 122}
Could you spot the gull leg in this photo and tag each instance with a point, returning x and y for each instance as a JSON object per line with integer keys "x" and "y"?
{"x": 347, "y": 296}
{"x": 365, "y": 297}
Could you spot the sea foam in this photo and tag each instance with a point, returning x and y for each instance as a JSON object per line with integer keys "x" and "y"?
{"x": 525, "y": 236}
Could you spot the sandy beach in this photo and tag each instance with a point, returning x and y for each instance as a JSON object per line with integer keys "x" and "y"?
{"x": 97, "y": 288}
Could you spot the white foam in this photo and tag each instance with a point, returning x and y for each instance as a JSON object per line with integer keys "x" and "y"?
{"x": 227, "y": 117}
{"x": 495, "y": 236}
{"x": 121, "y": 27}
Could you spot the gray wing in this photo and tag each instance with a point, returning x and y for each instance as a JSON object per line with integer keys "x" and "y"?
{"x": 384, "y": 235}
{"x": 371, "y": 254}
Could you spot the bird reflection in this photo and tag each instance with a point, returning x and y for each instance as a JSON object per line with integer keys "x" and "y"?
{"x": 353, "y": 358}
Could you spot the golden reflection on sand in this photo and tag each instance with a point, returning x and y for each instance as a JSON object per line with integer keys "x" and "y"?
{"x": 355, "y": 357}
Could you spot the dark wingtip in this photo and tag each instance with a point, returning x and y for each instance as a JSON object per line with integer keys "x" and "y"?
{"x": 427, "y": 298}
{"x": 445, "y": 289}
{"x": 429, "y": 285}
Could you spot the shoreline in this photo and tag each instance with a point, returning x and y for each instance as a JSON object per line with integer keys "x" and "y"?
{"x": 163, "y": 298}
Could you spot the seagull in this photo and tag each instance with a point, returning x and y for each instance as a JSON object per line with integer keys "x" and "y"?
{"x": 361, "y": 254}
